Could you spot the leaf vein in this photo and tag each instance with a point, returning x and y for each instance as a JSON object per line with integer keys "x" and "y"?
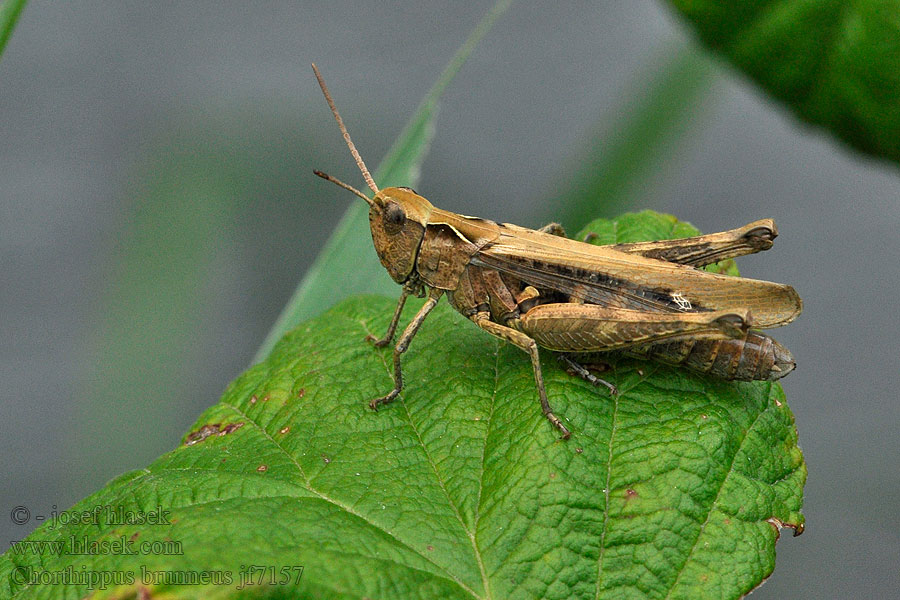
{"x": 612, "y": 435}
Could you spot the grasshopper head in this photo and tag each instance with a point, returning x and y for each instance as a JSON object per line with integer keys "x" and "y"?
{"x": 397, "y": 218}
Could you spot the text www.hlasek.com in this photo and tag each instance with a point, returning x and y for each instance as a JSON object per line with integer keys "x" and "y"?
{"x": 74, "y": 546}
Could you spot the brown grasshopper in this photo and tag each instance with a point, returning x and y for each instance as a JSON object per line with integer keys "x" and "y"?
{"x": 536, "y": 288}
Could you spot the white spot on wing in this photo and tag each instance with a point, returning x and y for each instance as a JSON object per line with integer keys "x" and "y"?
{"x": 682, "y": 302}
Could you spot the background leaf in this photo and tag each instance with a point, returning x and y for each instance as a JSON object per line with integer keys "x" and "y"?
{"x": 347, "y": 251}
{"x": 10, "y": 10}
{"x": 677, "y": 488}
{"x": 835, "y": 63}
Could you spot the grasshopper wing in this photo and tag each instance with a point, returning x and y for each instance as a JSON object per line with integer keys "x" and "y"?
{"x": 603, "y": 275}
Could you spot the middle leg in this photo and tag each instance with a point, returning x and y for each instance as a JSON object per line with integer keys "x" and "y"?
{"x": 520, "y": 340}
{"x": 582, "y": 371}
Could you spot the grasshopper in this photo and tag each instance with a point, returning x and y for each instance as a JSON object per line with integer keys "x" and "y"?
{"x": 537, "y": 288}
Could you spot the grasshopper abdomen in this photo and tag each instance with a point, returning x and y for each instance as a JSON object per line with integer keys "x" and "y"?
{"x": 757, "y": 357}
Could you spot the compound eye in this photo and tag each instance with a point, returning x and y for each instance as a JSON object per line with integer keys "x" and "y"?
{"x": 394, "y": 216}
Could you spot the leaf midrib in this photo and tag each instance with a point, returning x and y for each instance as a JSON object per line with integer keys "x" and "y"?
{"x": 487, "y": 433}
{"x": 612, "y": 435}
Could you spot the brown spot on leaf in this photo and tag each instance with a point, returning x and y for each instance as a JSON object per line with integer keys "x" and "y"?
{"x": 134, "y": 536}
{"x": 727, "y": 521}
{"x": 253, "y": 399}
{"x": 284, "y": 430}
{"x": 778, "y": 524}
{"x": 265, "y": 398}
{"x": 630, "y": 493}
{"x": 704, "y": 578}
{"x": 195, "y": 437}
{"x": 579, "y": 450}
{"x": 552, "y": 475}
{"x": 301, "y": 393}
{"x": 144, "y": 594}
{"x": 430, "y": 548}
{"x": 262, "y": 468}
{"x": 777, "y": 402}
{"x": 201, "y": 434}
{"x": 325, "y": 459}
{"x": 231, "y": 427}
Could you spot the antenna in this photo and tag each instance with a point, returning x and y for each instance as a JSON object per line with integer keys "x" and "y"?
{"x": 353, "y": 150}
{"x": 340, "y": 183}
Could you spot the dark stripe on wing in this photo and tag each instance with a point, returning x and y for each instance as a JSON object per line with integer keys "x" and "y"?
{"x": 593, "y": 287}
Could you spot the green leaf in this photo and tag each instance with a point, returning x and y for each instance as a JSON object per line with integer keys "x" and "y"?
{"x": 9, "y": 16}
{"x": 460, "y": 489}
{"x": 348, "y": 250}
{"x": 835, "y": 63}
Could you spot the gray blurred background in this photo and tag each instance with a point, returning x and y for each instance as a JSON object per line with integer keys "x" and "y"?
{"x": 157, "y": 209}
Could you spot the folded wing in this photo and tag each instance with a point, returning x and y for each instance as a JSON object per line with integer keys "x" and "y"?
{"x": 603, "y": 275}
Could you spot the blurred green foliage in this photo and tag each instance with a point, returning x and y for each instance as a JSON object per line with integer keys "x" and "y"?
{"x": 836, "y": 64}
{"x": 10, "y": 10}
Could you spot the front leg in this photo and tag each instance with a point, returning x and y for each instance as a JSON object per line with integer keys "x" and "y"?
{"x": 392, "y": 328}
{"x": 403, "y": 344}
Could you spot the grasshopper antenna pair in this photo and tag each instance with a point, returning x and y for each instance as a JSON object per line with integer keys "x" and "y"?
{"x": 359, "y": 161}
